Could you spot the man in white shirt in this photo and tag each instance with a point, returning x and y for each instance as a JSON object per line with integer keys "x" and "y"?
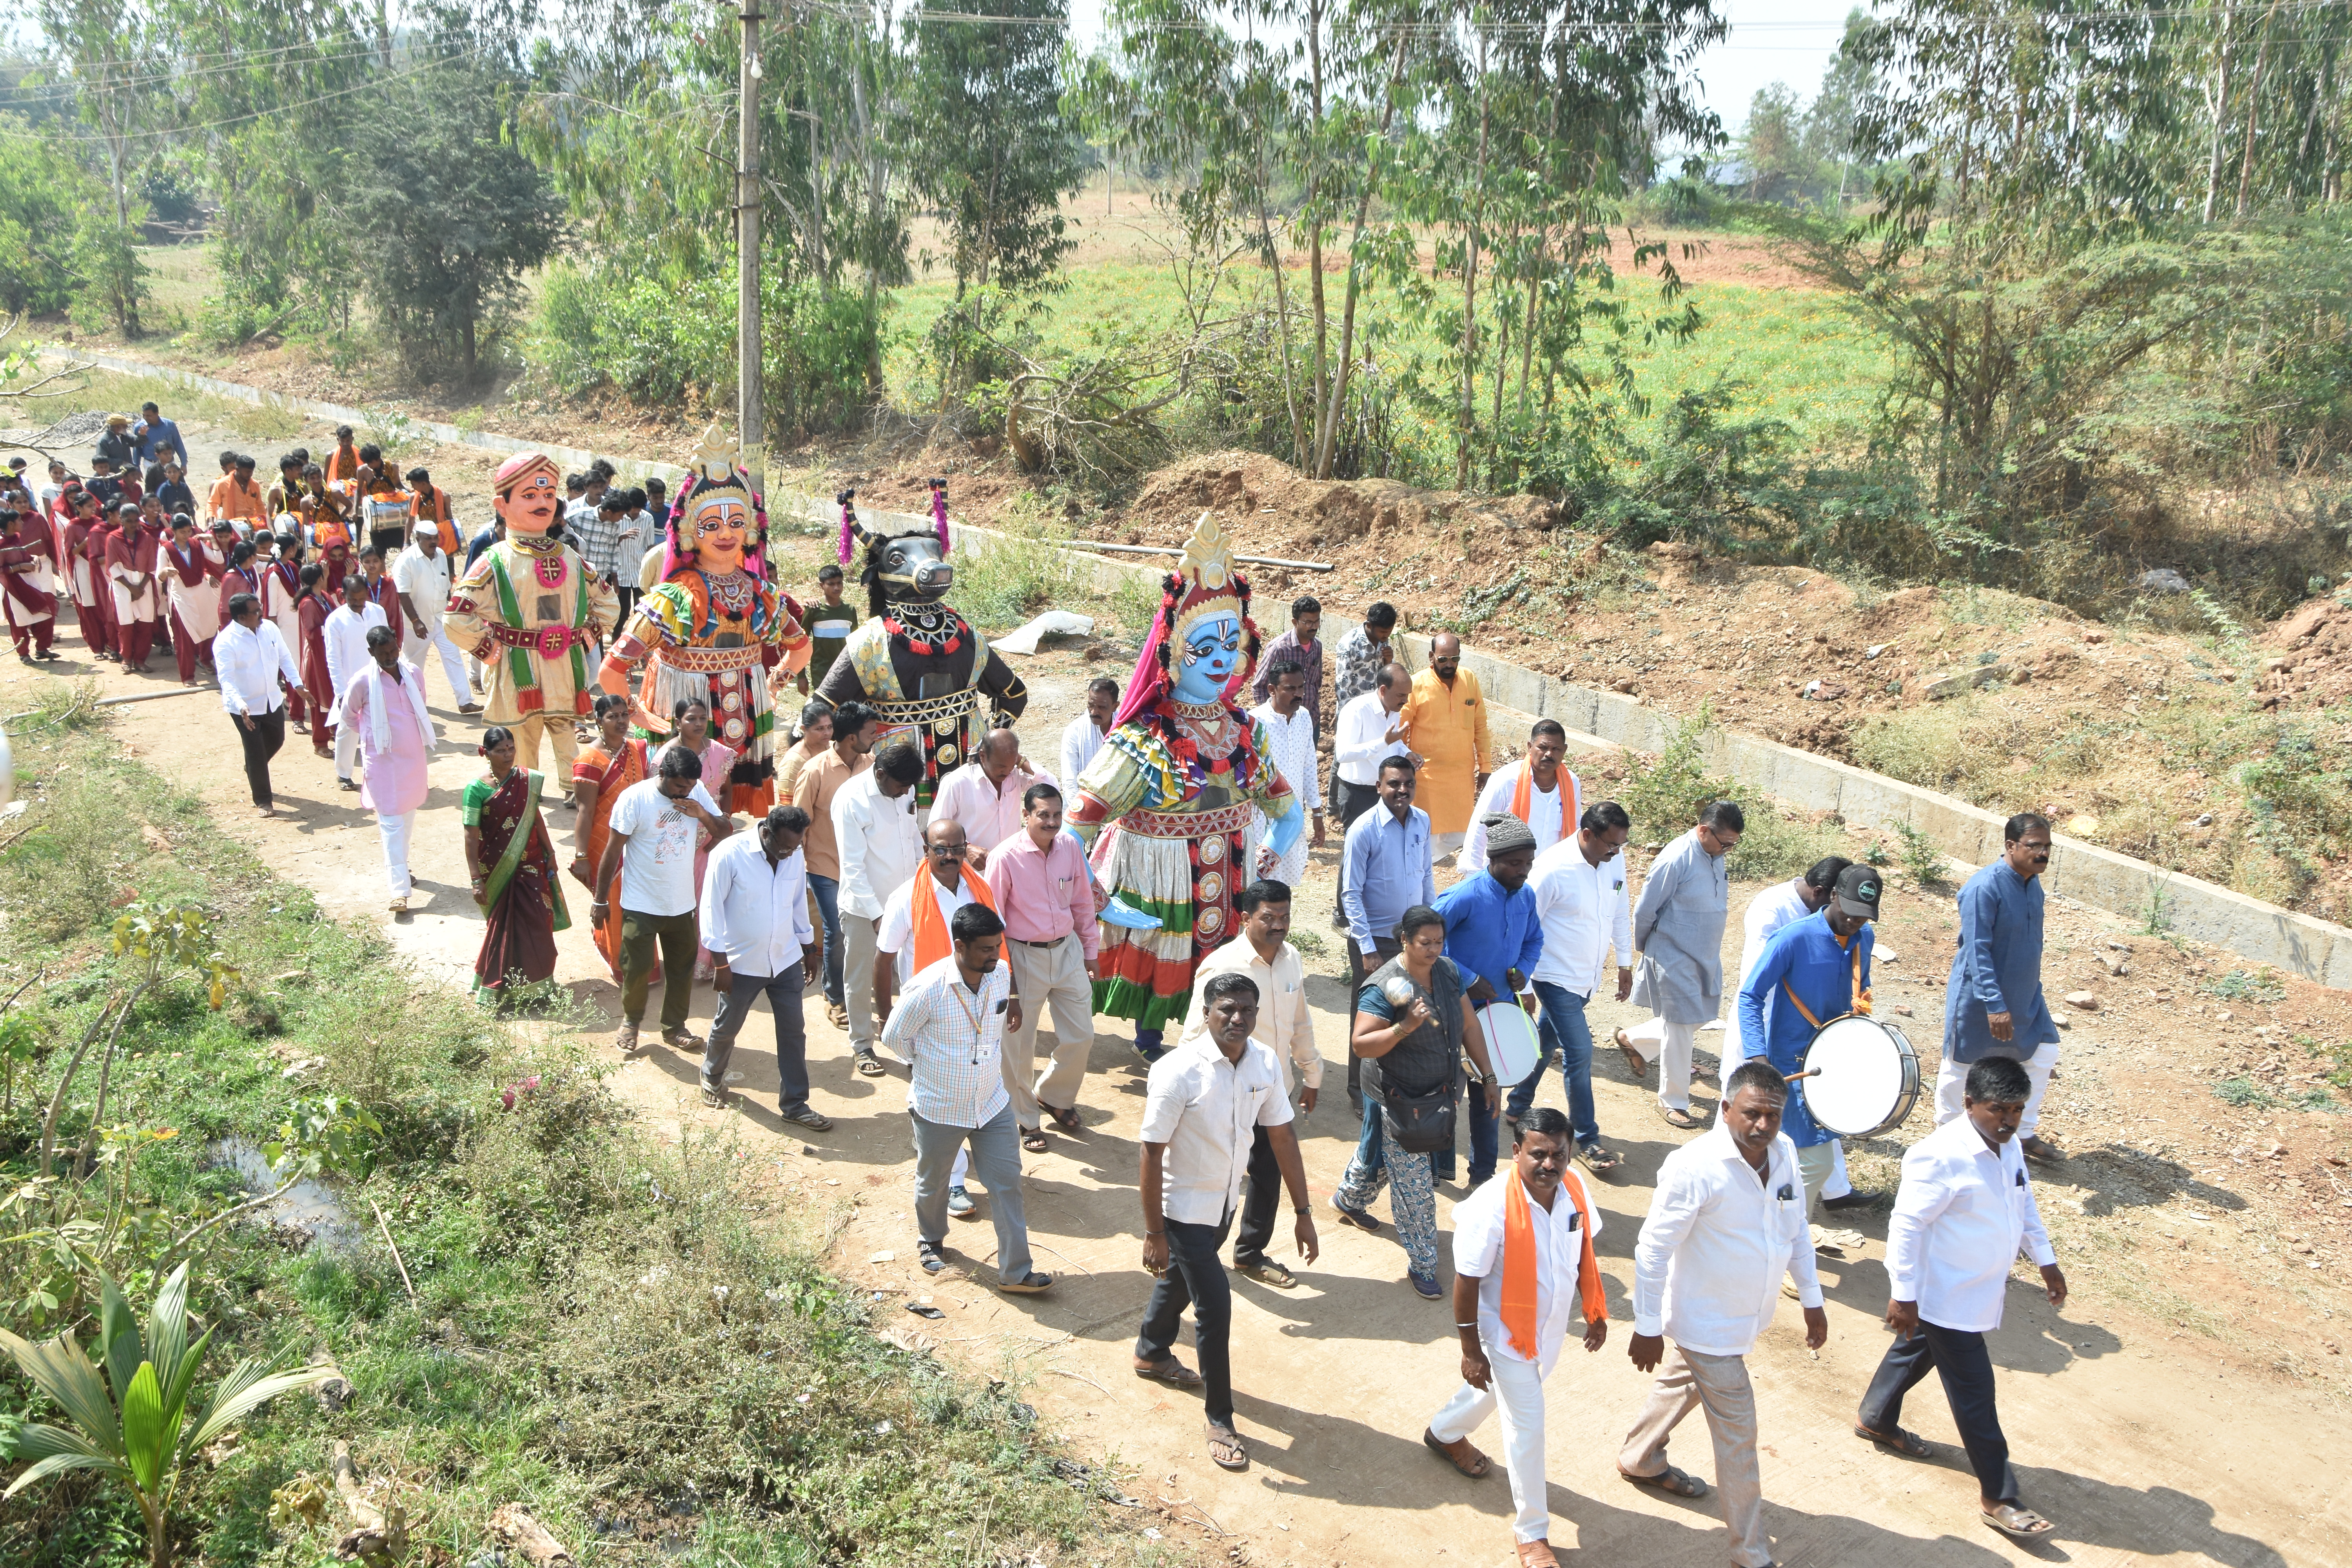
{"x": 914, "y": 935}
{"x": 1581, "y": 898}
{"x": 255, "y": 669}
{"x": 1507, "y": 1350}
{"x": 345, "y": 633}
{"x": 1964, "y": 1210}
{"x": 880, "y": 848}
{"x": 1369, "y": 731}
{"x": 1284, "y": 1027}
{"x": 1085, "y": 734}
{"x": 651, "y": 851}
{"x": 1204, "y": 1101}
{"x": 985, "y": 794}
{"x": 1536, "y": 789}
{"x": 951, "y": 1024}
{"x": 755, "y": 920}
{"x": 421, "y": 573}
{"x": 1726, "y": 1224}
{"x": 1290, "y": 737}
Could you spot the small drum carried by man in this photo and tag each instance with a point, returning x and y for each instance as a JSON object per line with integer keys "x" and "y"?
{"x": 1812, "y": 970}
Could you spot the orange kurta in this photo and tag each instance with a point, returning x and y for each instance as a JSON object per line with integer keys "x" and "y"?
{"x": 1447, "y": 726}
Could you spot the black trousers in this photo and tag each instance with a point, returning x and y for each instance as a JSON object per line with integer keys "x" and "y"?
{"x": 1260, "y": 1201}
{"x": 1353, "y": 800}
{"x": 261, "y": 743}
{"x": 1960, "y": 1357}
{"x": 1195, "y": 1278}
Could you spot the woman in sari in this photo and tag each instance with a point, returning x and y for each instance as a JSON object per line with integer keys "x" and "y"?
{"x": 690, "y": 732}
{"x": 512, "y": 864}
{"x": 599, "y": 774}
{"x": 311, "y": 653}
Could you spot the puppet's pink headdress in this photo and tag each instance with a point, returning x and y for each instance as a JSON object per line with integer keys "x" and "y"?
{"x": 1204, "y": 583}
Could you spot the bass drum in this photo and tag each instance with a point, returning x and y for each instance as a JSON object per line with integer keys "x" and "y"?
{"x": 1511, "y": 1041}
{"x": 1861, "y": 1077}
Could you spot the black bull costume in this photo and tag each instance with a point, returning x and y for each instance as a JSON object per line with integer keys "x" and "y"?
{"x": 921, "y": 664}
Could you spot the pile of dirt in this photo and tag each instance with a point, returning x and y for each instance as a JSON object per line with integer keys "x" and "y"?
{"x": 2310, "y": 660}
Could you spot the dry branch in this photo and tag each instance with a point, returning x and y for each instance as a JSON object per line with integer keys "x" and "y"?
{"x": 528, "y": 1536}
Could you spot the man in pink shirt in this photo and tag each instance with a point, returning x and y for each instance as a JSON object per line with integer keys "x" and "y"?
{"x": 988, "y": 794}
{"x": 1046, "y": 899}
{"x": 385, "y": 708}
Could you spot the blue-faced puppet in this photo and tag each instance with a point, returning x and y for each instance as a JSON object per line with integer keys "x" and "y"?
{"x": 1167, "y": 802}
{"x": 916, "y": 660}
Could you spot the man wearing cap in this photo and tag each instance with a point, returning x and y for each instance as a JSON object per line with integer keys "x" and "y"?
{"x": 1812, "y": 970}
{"x": 116, "y": 446}
{"x": 421, "y": 573}
{"x": 1495, "y": 935}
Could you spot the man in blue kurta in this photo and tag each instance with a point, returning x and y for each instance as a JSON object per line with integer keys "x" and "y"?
{"x": 1812, "y": 970}
{"x": 1993, "y": 1005}
{"x": 1492, "y": 931}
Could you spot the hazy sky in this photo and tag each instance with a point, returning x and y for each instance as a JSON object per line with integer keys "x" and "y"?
{"x": 1771, "y": 40}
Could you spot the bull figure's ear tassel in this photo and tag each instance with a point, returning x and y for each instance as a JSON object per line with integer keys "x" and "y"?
{"x": 939, "y": 511}
{"x": 848, "y": 521}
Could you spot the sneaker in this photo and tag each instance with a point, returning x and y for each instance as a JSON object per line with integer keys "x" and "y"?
{"x": 959, "y": 1205}
{"x": 1427, "y": 1284}
{"x": 1853, "y": 1200}
{"x": 1357, "y": 1217}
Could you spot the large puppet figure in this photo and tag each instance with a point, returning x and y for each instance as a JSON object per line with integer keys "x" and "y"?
{"x": 530, "y": 609}
{"x": 1167, "y": 802}
{"x": 918, "y": 662}
{"x": 713, "y": 631}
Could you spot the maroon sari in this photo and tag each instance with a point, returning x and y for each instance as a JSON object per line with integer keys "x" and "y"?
{"x": 522, "y": 902}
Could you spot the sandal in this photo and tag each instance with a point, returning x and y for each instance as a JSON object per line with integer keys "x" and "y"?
{"x": 1537, "y": 1554}
{"x": 1910, "y": 1445}
{"x": 1633, "y": 1062}
{"x": 2017, "y": 1524}
{"x": 1671, "y": 1481}
{"x": 928, "y": 1255}
{"x": 1266, "y": 1271}
{"x": 1064, "y": 1117}
{"x": 1683, "y": 1120}
{"x": 870, "y": 1065}
{"x": 1171, "y": 1371}
{"x": 1033, "y": 1139}
{"x": 718, "y": 1099}
{"x": 1030, "y": 1284}
{"x": 1476, "y": 1465}
{"x": 1225, "y": 1450}
{"x": 1597, "y": 1159}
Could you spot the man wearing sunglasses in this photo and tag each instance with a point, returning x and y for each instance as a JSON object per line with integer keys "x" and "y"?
{"x": 1994, "y": 1006}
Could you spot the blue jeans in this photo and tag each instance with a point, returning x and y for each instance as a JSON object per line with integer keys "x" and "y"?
{"x": 1485, "y": 1130}
{"x": 1368, "y": 1143}
{"x": 828, "y": 906}
{"x": 1563, "y": 1031}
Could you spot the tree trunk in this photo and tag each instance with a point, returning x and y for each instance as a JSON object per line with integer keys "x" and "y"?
{"x": 1468, "y": 431}
{"x": 1315, "y": 300}
{"x": 1327, "y": 423}
{"x": 2254, "y": 111}
{"x": 2221, "y": 109}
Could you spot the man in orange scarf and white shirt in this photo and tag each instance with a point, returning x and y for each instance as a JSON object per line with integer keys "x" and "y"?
{"x": 1536, "y": 789}
{"x": 1522, "y": 1260}
{"x": 914, "y": 935}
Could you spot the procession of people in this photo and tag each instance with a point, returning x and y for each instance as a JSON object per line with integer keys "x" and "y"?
{"x": 896, "y": 845}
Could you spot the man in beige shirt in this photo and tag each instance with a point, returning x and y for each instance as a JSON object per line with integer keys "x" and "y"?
{"x": 1284, "y": 1027}
{"x": 854, "y": 726}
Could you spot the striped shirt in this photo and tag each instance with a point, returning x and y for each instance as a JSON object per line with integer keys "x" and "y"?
{"x": 954, "y": 1035}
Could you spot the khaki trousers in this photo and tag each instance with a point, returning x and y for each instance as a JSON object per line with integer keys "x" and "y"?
{"x": 1051, "y": 977}
{"x": 557, "y": 729}
{"x": 1719, "y": 1383}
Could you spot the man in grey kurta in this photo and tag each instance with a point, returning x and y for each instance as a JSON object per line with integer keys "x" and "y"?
{"x": 1678, "y": 930}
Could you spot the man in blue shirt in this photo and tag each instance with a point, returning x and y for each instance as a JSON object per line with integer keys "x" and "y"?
{"x": 1812, "y": 970}
{"x": 1492, "y": 930}
{"x": 156, "y": 436}
{"x": 1385, "y": 868}
{"x": 1993, "y": 1005}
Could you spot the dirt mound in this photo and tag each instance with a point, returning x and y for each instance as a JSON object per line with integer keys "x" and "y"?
{"x": 2309, "y": 662}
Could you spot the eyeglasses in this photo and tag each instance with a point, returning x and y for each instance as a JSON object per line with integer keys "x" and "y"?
{"x": 945, "y": 851}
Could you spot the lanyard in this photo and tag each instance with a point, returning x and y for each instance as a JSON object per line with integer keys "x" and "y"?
{"x": 956, "y": 991}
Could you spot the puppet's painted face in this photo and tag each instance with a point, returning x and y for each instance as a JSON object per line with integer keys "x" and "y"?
{"x": 530, "y": 508}
{"x": 717, "y": 533}
{"x": 1211, "y": 650}
{"x": 914, "y": 570}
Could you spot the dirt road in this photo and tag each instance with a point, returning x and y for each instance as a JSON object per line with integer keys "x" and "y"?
{"x": 2144, "y": 1440}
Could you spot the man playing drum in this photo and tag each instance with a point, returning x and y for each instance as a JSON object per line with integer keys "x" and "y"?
{"x": 1812, "y": 970}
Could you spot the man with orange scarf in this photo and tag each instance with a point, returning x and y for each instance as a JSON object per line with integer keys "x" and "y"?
{"x": 914, "y": 935}
{"x": 1522, "y": 1258}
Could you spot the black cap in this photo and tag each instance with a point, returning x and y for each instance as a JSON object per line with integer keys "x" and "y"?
{"x": 1857, "y": 891}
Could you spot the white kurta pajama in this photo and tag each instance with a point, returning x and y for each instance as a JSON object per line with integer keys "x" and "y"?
{"x": 1292, "y": 743}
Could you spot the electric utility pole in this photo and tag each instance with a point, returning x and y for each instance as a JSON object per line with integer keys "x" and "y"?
{"x": 751, "y": 431}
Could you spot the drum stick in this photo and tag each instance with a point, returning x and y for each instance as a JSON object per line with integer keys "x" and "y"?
{"x": 1793, "y": 1077}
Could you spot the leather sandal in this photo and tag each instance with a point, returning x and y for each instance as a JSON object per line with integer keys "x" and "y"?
{"x": 1910, "y": 1445}
{"x": 1671, "y": 1481}
{"x": 1033, "y": 1139}
{"x": 1460, "y": 1453}
{"x": 1064, "y": 1117}
{"x": 2017, "y": 1524}
{"x": 1169, "y": 1371}
{"x": 1537, "y": 1554}
{"x": 1225, "y": 1448}
{"x": 1633, "y": 1062}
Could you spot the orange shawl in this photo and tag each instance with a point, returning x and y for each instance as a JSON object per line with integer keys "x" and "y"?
{"x": 931, "y": 936}
{"x": 1523, "y": 799}
{"x": 1518, "y": 1312}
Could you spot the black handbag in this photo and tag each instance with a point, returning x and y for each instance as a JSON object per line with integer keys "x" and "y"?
{"x": 1423, "y": 1124}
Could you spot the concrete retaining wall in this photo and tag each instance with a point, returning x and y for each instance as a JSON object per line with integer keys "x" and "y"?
{"x": 2102, "y": 879}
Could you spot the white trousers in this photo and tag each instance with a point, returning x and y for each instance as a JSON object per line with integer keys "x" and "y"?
{"x": 1516, "y": 1389}
{"x": 347, "y": 748}
{"x": 1734, "y": 1051}
{"x": 1669, "y": 1046}
{"x": 1951, "y": 1087}
{"x": 452, "y": 663}
{"x": 394, "y": 830}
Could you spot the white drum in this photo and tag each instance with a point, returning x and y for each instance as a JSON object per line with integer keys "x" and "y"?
{"x": 1859, "y": 1077}
{"x": 1511, "y": 1043}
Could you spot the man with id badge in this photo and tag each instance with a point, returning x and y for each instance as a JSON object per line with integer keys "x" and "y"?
{"x": 951, "y": 1024}
{"x": 1725, "y": 1223}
